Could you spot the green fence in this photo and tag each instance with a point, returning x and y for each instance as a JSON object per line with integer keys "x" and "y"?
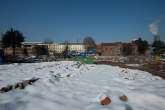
{"x": 88, "y": 60}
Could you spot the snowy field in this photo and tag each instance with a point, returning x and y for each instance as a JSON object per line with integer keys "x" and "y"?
{"x": 80, "y": 87}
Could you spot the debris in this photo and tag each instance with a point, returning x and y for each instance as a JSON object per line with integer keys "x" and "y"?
{"x": 59, "y": 75}
{"x": 68, "y": 75}
{"x": 79, "y": 64}
{"x": 51, "y": 81}
{"x": 106, "y": 101}
{"x": 122, "y": 71}
{"x": 50, "y": 65}
{"x": 124, "y": 98}
{"x": 10, "y": 87}
{"x": 34, "y": 79}
{"x": 4, "y": 89}
{"x": 51, "y": 71}
{"x": 29, "y": 82}
{"x": 56, "y": 77}
{"x": 39, "y": 68}
{"x": 20, "y": 85}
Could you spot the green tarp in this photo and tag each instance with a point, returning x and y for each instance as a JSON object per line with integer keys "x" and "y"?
{"x": 88, "y": 60}
{"x": 163, "y": 57}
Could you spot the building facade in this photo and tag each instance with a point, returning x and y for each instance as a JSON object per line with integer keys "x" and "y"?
{"x": 130, "y": 49}
{"x": 117, "y": 49}
{"x": 79, "y": 47}
{"x": 59, "y": 48}
{"x": 39, "y": 48}
{"x": 27, "y": 49}
{"x": 111, "y": 49}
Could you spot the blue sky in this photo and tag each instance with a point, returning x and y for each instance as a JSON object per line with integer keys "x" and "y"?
{"x": 72, "y": 20}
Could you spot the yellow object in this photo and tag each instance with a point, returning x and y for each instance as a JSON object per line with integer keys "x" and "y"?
{"x": 158, "y": 57}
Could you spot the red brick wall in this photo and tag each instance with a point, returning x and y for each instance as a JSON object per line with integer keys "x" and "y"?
{"x": 112, "y": 49}
{"x": 20, "y": 51}
{"x": 117, "y": 49}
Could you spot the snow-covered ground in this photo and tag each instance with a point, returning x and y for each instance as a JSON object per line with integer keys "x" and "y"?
{"x": 83, "y": 90}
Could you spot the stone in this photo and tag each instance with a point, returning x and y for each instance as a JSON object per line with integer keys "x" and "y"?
{"x": 68, "y": 75}
{"x": 124, "y": 98}
{"x": 4, "y": 89}
{"x": 106, "y": 101}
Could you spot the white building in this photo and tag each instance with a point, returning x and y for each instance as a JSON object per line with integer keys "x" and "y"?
{"x": 59, "y": 48}
{"x": 79, "y": 47}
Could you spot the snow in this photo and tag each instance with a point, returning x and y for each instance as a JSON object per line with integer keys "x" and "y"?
{"x": 133, "y": 65}
{"x": 83, "y": 90}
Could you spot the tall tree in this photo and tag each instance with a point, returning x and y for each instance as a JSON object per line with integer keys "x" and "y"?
{"x": 89, "y": 42}
{"x": 142, "y": 45}
{"x": 49, "y": 42}
{"x": 12, "y": 38}
{"x": 159, "y": 47}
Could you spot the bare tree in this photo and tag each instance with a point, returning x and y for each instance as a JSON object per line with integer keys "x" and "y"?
{"x": 89, "y": 42}
{"x": 48, "y": 42}
{"x": 65, "y": 53}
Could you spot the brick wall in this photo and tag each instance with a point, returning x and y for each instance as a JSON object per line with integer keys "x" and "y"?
{"x": 22, "y": 51}
{"x": 112, "y": 49}
{"x": 130, "y": 49}
{"x": 117, "y": 49}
